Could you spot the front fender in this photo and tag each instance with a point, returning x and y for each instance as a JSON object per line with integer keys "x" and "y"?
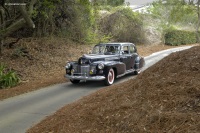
{"x": 119, "y": 67}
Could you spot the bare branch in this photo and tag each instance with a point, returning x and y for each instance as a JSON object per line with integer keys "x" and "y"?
{"x": 12, "y": 28}
{"x": 32, "y": 3}
{"x": 26, "y": 16}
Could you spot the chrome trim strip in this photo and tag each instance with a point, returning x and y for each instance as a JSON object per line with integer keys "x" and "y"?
{"x": 95, "y": 78}
{"x": 120, "y": 75}
{"x": 127, "y": 72}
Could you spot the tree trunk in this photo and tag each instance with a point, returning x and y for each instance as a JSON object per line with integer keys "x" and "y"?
{"x": 26, "y": 17}
{"x": 1, "y": 47}
{"x": 2, "y": 13}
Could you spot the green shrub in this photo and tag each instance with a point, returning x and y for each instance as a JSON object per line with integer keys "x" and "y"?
{"x": 123, "y": 25}
{"x": 178, "y": 37}
{"x": 7, "y": 78}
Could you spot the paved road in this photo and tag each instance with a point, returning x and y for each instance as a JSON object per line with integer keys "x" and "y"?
{"x": 19, "y": 113}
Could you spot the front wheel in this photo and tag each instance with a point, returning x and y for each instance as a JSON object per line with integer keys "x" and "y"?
{"x": 74, "y": 81}
{"x": 110, "y": 77}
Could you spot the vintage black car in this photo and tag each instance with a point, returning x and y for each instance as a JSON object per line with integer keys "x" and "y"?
{"x": 106, "y": 62}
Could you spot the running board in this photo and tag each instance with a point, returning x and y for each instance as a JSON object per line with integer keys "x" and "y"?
{"x": 127, "y": 72}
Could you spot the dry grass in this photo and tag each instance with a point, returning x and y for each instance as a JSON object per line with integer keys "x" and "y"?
{"x": 164, "y": 98}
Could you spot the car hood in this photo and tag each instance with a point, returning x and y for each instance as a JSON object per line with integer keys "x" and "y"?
{"x": 91, "y": 58}
{"x": 96, "y": 56}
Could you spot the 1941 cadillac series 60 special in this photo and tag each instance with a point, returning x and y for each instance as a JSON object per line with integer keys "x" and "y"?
{"x": 106, "y": 62}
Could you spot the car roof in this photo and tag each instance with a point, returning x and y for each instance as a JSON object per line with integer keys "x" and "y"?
{"x": 115, "y": 43}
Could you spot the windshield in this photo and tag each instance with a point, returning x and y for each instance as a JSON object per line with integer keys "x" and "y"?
{"x": 106, "y": 49}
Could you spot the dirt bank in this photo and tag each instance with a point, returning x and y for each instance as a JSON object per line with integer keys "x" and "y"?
{"x": 164, "y": 98}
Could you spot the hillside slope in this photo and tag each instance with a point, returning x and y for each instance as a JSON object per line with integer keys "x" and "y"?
{"x": 164, "y": 98}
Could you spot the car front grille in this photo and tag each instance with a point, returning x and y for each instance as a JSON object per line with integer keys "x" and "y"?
{"x": 81, "y": 70}
{"x": 83, "y": 61}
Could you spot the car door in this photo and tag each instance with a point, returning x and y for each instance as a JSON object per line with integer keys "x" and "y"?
{"x": 127, "y": 57}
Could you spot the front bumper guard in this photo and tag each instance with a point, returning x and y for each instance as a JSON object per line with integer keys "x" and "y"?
{"x": 93, "y": 78}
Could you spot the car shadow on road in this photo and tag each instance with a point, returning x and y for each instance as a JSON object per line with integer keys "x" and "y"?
{"x": 99, "y": 84}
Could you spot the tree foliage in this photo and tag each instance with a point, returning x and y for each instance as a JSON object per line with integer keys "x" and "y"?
{"x": 180, "y": 37}
{"x": 73, "y": 19}
{"x": 108, "y": 2}
{"x": 123, "y": 25}
{"x": 178, "y": 14}
{"x": 70, "y": 18}
{"x": 173, "y": 11}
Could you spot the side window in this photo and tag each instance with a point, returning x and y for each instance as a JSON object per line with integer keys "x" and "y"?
{"x": 112, "y": 49}
{"x": 132, "y": 49}
{"x": 125, "y": 50}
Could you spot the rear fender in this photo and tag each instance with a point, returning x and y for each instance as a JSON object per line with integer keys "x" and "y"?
{"x": 139, "y": 62}
{"x": 142, "y": 62}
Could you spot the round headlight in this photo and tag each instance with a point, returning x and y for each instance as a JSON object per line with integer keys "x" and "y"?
{"x": 100, "y": 66}
{"x": 68, "y": 65}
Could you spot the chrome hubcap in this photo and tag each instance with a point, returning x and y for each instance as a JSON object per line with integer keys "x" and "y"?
{"x": 111, "y": 76}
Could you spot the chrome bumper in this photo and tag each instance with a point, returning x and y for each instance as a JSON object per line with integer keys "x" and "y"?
{"x": 94, "y": 78}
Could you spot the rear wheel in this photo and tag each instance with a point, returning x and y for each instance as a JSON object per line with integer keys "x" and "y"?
{"x": 74, "y": 81}
{"x": 137, "y": 66}
{"x": 110, "y": 77}
{"x": 136, "y": 72}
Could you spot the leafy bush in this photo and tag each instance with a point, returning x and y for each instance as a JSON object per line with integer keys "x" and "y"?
{"x": 71, "y": 19}
{"x": 112, "y": 3}
{"x": 179, "y": 37}
{"x": 123, "y": 25}
{"x": 7, "y": 78}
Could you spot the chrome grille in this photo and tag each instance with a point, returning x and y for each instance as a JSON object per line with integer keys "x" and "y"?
{"x": 83, "y": 61}
{"x": 81, "y": 70}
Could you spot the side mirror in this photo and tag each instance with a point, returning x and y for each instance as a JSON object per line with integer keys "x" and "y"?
{"x": 135, "y": 50}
